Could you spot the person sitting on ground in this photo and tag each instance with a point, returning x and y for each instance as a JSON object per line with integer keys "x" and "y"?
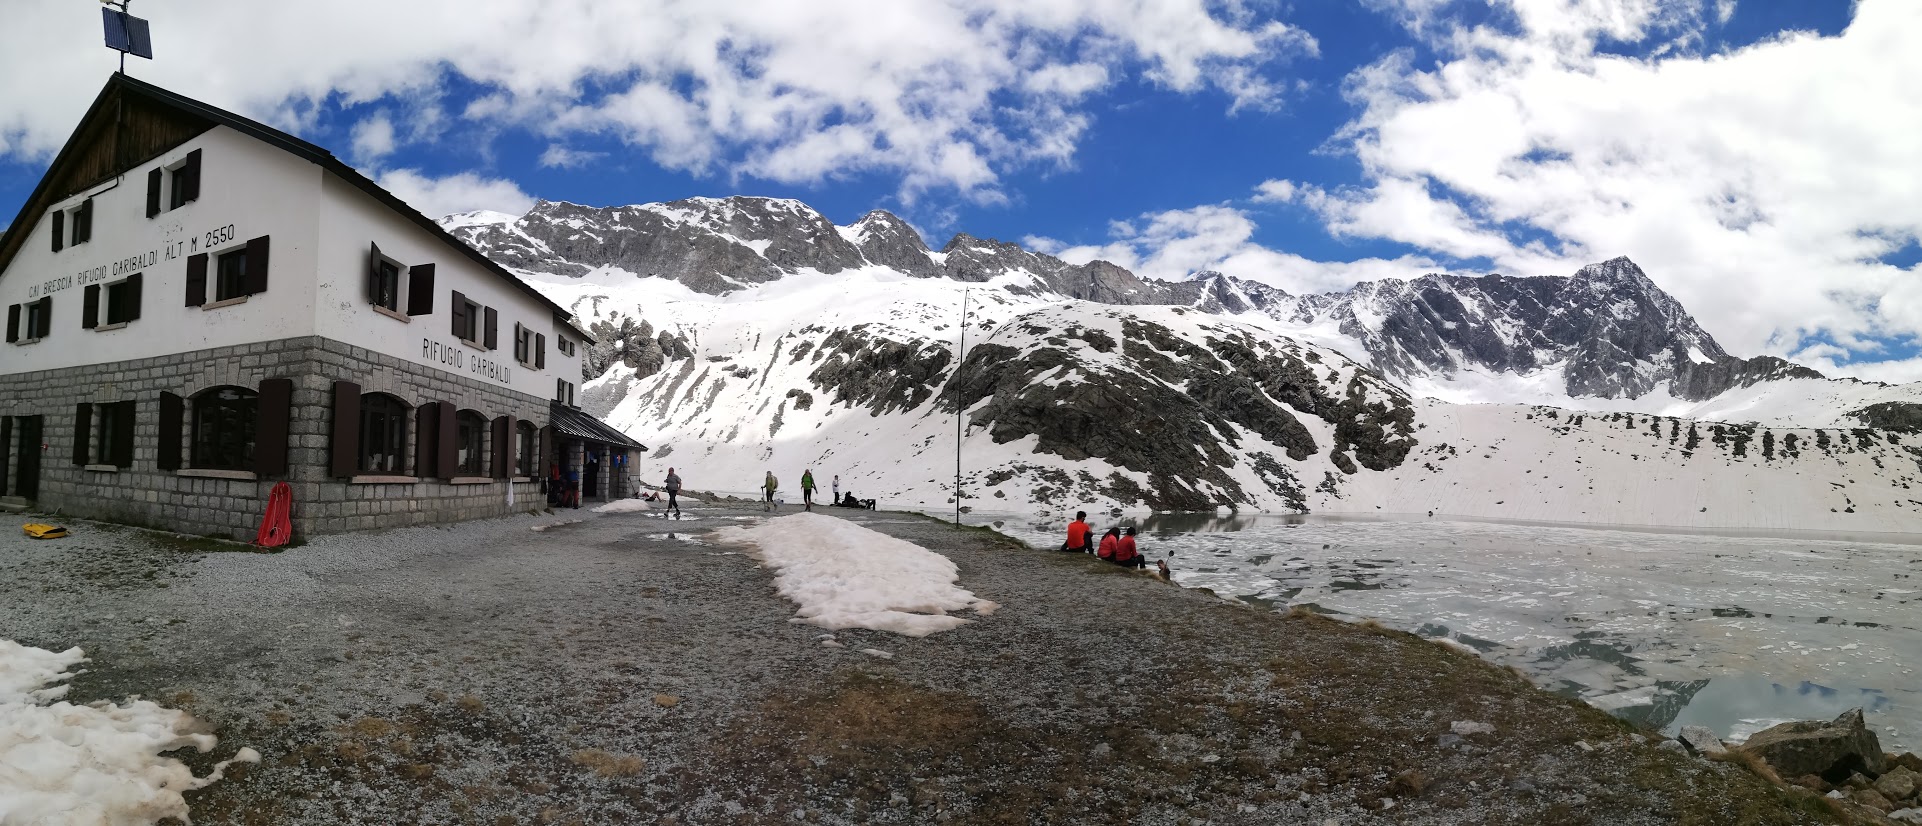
{"x": 1161, "y": 568}
{"x": 1079, "y": 540}
{"x": 1108, "y": 542}
{"x": 848, "y": 501}
{"x": 651, "y": 496}
{"x": 1126, "y": 554}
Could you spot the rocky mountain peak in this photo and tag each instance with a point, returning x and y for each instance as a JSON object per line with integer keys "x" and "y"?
{"x": 884, "y": 239}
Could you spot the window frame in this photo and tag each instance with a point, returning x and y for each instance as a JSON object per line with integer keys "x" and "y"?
{"x": 120, "y": 305}
{"x": 526, "y": 438}
{"x": 221, "y": 276}
{"x": 474, "y": 443}
{"x": 176, "y": 183}
{"x": 79, "y": 223}
{"x": 386, "y": 274}
{"x": 37, "y": 320}
{"x": 472, "y": 320}
{"x": 243, "y": 408}
{"x": 386, "y": 416}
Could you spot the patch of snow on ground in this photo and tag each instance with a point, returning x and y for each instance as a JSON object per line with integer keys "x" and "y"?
{"x": 93, "y": 764}
{"x": 843, "y": 575}
{"x": 624, "y": 506}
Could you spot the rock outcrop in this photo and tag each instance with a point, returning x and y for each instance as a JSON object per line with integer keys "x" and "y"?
{"x": 1833, "y": 751}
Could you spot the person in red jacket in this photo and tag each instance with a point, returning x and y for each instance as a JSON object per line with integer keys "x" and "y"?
{"x": 1125, "y": 553}
{"x": 1078, "y": 535}
{"x": 1108, "y": 542}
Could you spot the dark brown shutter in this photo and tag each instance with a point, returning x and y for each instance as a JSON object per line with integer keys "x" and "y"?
{"x": 82, "y": 429}
{"x": 153, "y": 192}
{"x": 90, "y": 307}
{"x": 190, "y": 178}
{"x": 270, "y": 430}
{"x": 544, "y": 446}
{"x": 492, "y": 341}
{"x": 346, "y": 444}
{"x": 132, "y": 291}
{"x": 13, "y": 323}
{"x": 373, "y": 274}
{"x": 83, "y": 222}
{"x": 540, "y": 351}
{"x": 59, "y": 229}
{"x": 426, "y": 439}
{"x": 449, "y": 465}
{"x": 123, "y": 434}
{"x": 420, "y": 289}
{"x": 6, "y": 449}
{"x": 503, "y": 456}
{"x": 171, "y": 409}
{"x": 196, "y": 280}
{"x": 256, "y": 265}
{"x": 460, "y": 315}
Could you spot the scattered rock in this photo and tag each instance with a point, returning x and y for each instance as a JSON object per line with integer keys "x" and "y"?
{"x": 1912, "y": 762}
{"x": 1450, "y": 740}
{"x": 1833, "y": 750}
{"x": 1857, "y": 781}
{"x": 666, "y": 700}
{"x": 1906, "y": 816}
{"x": 1898, "y": 784}
{"x": 1583, "y": 745}
{"x": 1522, "y": 786}
{"x": 876, "y": 652}
{"x": 1702, "y": 740}
{"x": 1468, "y": 728}
{"x": 1812, "y": 783}
{"x": 1671, "y": 745}
{"x": 1871, "y": 799}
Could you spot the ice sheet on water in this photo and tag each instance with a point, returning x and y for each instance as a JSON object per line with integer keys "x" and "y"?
{"x": 1661, "y": 627}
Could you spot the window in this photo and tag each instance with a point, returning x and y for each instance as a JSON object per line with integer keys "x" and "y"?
{"x": 173, "y": 187}
{"x": 230, "y": 275}
{"x": 103, "y": 434}
{"x": 467, "y": 319}
{"x": 470, "y": 430}
{"x": 566, "y": 346}
{"x": 383, "y": 434}
{"x": 523, "y": 345}
{"x": 83, "y": 222}
{"x": 524, "y": 449}
{"x": 79, "y": 218}
{"x": 223, "y": 428}
{"x": 564, "y": 392}
{"x": 123, "y": 300}
{"x": 30, "y": 322}
{"x": 386, "y": 285}
{"x": 182, "y": 186}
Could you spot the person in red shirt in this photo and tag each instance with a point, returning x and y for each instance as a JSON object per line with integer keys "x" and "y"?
{"x": 1108, "y": 542}
{"x": 1125, "y": 553}
{"x": 1078, "y": 535}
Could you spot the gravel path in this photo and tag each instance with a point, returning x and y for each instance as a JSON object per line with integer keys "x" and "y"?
{"x": 622, "y": 669}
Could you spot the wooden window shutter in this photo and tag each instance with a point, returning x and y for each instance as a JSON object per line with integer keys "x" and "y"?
{"x": 503, "y": 455}
{"x": 449, "y": 464}
{"x": 492, "y": 341}
{"x": 196, "y": 280}
{"x": 373, "y": 274}
{"x": 6, "y": 450}
{"x": 540, "y": 351}
{"x": 256, "y": 265}
{"x": 276, "y": 414}
{"x": 460, "y": 315}
{"x": 172, "y": 408}
{"x": 545, "y": 447}
{"x": 133, "y": 297}
{"x": 83, "y": 222}
{"x": 90, "y": 307}
{"x": 153, "y": 192}
{"x": 13, "y": 323}
{"x": 345, "y": 456}
{"x": 190, "y": 179}
{"x": 426, "y": 439}
{"x": 59, "y": 229}
{"x": 420, "y": 289}
{"x": 123, "y": 434}
{"x": 82, "y": 429}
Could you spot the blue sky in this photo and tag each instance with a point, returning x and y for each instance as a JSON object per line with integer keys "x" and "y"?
{"x": 1723, "y": 144}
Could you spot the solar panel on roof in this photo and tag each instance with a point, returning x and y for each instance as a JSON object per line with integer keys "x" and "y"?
{"x": 127, "y": 33}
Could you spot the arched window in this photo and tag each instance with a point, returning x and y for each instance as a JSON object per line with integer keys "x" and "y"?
{"x": 469, "y": 441}
{"x": 223, "y": 428}
{"x": 383, "y": 434}
{"x": 524, "y": 451}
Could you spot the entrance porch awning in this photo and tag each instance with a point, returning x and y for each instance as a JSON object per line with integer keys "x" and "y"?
{"x": 572, "y": 422}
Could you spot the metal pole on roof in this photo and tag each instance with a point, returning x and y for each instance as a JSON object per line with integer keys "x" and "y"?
{"x": 960, "y": 355}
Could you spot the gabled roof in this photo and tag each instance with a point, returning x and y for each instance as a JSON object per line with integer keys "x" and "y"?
{"x": 79, "y": 167}
{"x": 574, "y": 422}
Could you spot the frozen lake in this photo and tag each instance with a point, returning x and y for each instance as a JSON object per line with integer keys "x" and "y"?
{"x": 1668, "y": 629}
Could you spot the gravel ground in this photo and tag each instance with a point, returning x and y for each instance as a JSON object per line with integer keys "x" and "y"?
{"x": 621, "y": 669}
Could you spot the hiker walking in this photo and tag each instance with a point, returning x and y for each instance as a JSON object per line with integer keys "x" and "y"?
{"x": 769, "y": 487}
{"x": 673, "y": 486}
{"x": 807, "y": 489}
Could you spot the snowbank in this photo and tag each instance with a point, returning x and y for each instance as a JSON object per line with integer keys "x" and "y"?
{"x": 624, "y": 506}
{"x": 94, "y": 764}
{"x": 846, "y": 576}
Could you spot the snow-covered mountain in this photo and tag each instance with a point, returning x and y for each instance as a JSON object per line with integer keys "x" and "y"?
{"x": 744, "y": 334}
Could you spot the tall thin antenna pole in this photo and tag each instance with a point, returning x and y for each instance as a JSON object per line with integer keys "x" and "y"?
{"x": 960, "y": 356}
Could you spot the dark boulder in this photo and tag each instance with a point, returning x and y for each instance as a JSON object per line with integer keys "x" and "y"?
{"x": 1832, "y": 750}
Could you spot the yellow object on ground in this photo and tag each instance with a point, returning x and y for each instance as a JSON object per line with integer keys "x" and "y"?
{"x": 44, "y": 531}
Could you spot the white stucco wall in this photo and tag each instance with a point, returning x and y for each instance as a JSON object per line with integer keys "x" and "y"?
{"x": 249, "y": 186}
{"x": 352, "y": 220}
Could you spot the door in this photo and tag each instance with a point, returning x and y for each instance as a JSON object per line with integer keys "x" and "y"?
{"x": 591, "y": 485}
{"x": 27, "y": 485}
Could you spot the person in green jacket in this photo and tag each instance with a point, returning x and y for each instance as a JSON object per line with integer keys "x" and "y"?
{"x": 807, "y": 489}
{"x": 769, "y": 486}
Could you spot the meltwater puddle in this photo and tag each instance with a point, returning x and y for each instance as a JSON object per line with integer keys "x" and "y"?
{"x": 1734, "y": 633}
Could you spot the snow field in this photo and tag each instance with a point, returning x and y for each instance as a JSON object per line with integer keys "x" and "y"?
{"x": 845, "y": 576}
{"x": 92, "y": 765}
{"x": 624, "y": 506}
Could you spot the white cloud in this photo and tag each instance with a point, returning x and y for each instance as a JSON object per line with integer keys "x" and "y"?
{"x": 462, "y": 192}
{"x": 1761, "y": 186}
{"x": 373, "y": 139}
{"x": 945, "y": 94}
{"x": 565, "y": 158}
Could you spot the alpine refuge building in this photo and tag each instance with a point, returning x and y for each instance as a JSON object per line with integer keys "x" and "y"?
{"x": 200, "y": 306}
